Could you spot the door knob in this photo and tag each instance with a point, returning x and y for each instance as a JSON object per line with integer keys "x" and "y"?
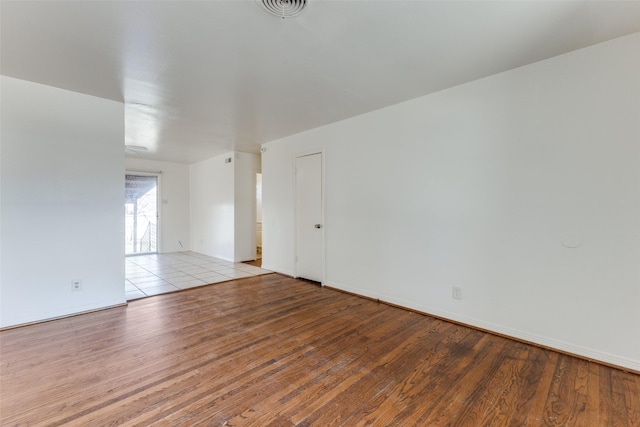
{"x": 317, "y": 226}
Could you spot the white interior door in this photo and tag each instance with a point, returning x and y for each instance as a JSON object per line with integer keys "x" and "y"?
{"x": 309, "y": 217}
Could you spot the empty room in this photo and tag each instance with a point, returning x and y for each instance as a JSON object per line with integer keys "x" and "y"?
{"x": 316, "y": 212}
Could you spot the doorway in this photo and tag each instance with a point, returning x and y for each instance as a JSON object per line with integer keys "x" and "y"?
{"x": 141, "y": 214}
{"x": 308, "y": 193}
{"x": 257, "y": 262}
{"x": 258, "y": 216}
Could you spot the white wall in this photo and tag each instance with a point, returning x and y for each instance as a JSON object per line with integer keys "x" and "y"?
{"x": 481, "y": 186}
{"x": 212, "y": 207}
{"x": 61, "y": 202}
{"x": 259, "y": 197}
{"x": 278, "y": 205}
{"x": 247, "y": 165}
{"x": 223, "y": 206}
{"x": 174, "y": 201}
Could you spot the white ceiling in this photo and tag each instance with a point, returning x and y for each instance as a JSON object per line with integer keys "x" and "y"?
{"x": 200, "y": 78}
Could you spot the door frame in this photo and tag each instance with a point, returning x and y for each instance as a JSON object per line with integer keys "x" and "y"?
{"x": 322, "y": 211}
{"x": 158, "y": 176}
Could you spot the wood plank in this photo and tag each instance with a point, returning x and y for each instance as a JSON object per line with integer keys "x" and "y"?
{"x": 272, "y": 350}
{"x": 567, "y": 399}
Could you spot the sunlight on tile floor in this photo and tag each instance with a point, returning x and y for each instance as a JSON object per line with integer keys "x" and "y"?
{"x": 154, "y": 274}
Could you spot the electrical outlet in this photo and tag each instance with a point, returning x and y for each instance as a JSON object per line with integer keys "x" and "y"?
{"x": 457, "y": 292}
{"x": 76, "y": 285}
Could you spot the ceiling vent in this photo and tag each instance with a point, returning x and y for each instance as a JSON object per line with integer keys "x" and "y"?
{"x": 284, "y": 8}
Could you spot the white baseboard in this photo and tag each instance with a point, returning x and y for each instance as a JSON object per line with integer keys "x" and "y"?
{"x": 275, "y": 270}
{"x": 62, "y": 316}
{"x": 562, "y": 346}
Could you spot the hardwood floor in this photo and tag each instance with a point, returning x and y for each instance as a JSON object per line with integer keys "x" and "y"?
{"x": 276, "y": 351}
{"x": 255, "y": 263}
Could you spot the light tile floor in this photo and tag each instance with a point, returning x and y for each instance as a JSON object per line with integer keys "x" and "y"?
{"x": 154, "y": 274}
